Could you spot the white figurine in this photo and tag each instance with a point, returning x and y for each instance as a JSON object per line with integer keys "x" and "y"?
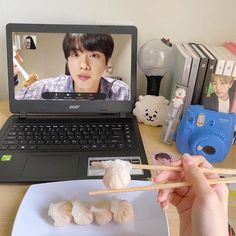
{"x": 178, "y": 100}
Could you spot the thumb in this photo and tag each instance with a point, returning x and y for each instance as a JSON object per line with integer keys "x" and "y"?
{"x": 194, "y": 176}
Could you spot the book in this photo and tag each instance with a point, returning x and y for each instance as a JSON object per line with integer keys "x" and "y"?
{"x": 213, "y": 101}
{"x": 210, "y": 70}
{"x": 192, "y": 76}
{"x": 181, "y": 68}
{"x": 230, "y": 56}
{"x": 200, "y": 74}
{"x": 229, "y": 63}
{"x": 220, "y": 60}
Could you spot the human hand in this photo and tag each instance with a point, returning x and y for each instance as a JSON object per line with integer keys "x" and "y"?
{"x": 202, "y": 208}
{"x": 18, "y": 59}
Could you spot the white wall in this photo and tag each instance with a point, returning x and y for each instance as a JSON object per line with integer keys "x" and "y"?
{"x": 207, "y": 21}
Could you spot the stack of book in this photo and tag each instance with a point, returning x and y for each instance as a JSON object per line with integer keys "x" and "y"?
{"x": 209, "y": 74}
{"x": 205, "y": 70}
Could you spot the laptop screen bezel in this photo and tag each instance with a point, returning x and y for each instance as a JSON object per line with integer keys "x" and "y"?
{"x": 65, "y": 106}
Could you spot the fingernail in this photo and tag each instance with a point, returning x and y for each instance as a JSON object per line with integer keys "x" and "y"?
{"x": 187, "y": 160}
{"x": 164, "y": 206}
{"x": 160, "y": 194}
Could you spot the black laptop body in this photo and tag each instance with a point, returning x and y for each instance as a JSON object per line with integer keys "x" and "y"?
{"x": 59, "y": 124}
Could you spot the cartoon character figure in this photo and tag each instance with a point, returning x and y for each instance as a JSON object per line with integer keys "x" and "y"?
{"x": 180, "y": 94}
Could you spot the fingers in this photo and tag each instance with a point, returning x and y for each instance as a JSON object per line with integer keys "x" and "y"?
{"x": 199, "y": 160}
{"x": 163, "y": 194}
{"x": 202, "y": 162}
{"x": 195, "y": 176}
{"x": 200, "y": 187}
{"x": 164, "y": 197}
{"x": 222, "y": 192}
{"x": 169, "y": 175}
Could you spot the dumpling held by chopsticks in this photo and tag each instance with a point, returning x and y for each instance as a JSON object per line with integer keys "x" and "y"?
{"x": 117, "y": 173}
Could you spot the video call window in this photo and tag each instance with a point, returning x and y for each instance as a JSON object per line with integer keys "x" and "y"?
{"x": 60, "y": 66}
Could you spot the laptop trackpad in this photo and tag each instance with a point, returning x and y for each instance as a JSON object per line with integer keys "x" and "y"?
{"x": 54, "y": 166}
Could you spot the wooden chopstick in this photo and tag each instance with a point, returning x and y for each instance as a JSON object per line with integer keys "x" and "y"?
{"x": 177, "y": 168}
{"x": 161, "y": 186}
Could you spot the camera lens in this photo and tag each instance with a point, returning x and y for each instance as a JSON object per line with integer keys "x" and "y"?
{"x": 209, "y": 150}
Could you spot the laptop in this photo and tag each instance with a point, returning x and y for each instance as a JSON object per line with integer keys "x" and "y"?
{"x": 72, "y": 90}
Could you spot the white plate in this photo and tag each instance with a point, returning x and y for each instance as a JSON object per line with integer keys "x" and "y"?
{"x": 32, "y": 218}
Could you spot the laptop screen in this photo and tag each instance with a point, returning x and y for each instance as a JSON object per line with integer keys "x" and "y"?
{"x": 87, "y": 68}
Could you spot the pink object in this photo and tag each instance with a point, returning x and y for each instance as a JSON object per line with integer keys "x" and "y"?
{"x": 231, "y": 47}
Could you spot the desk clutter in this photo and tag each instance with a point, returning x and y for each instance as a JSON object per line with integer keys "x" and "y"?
{"x": 199, "y": 132}
{"x": 201, "y": 118}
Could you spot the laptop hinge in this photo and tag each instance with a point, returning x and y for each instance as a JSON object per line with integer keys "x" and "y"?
{"x": 23, "y": 115}
{"x": 123, "y": 114}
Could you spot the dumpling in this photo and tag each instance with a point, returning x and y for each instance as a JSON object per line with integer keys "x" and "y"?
{"x": 122, "y": 210}
{"x": 60, "y": 212}
{"x": 81, "y": 212}
{"x": 117, "y": 173}
{"x": 102, "y": 212}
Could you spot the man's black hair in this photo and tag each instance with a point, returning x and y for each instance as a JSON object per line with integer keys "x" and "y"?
{"x": 91, "y": 42}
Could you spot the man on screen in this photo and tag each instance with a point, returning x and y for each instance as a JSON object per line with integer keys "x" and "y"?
{"x": 87, "y": 57}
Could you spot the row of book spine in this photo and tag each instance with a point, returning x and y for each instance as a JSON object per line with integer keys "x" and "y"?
{"x": 196, "y": 64}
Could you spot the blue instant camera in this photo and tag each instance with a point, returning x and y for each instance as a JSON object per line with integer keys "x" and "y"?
{"x": 205, "y": 132}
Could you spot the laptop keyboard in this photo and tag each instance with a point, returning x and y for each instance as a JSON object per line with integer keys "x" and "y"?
{"x": 66, "y": 137}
